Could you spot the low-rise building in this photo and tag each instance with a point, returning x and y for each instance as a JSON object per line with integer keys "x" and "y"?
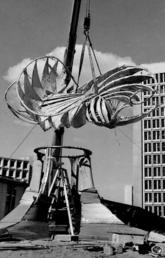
{"x": 15, "y": 176}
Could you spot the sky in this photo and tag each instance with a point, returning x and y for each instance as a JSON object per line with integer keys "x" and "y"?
{"x": 122, "y": 31}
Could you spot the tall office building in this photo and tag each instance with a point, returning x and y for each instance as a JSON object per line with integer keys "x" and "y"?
{"x": 149, "y": 152}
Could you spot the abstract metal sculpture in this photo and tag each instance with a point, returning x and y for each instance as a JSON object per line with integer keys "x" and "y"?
{"x": 43, "y": 97}
{"x": 47, "y": 94}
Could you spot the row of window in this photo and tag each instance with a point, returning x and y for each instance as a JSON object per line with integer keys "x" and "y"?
{"x": 159, "y": 89}
{"x": 154, "y": 135}
{"x": 154, "y": 171}
{"x": 155, "y": 184}
{"x": 154, "y": 101}
{"x": 154, "y": 159}
{"x": 157, "y": 209}
{"x": 154, "y": 197}
{"x": 159, "y": 111}
{"x": 154, "y": 147}
{"x": 14, "y": 163}
{"x": 160, "y": 78}
{"x": 154, "y": 123}
{"x": 17, "y": 174}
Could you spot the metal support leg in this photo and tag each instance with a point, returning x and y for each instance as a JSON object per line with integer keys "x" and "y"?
{"x": 68, "y": 207}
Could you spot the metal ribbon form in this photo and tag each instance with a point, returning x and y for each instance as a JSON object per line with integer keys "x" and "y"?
{"x": 41, "y": 96}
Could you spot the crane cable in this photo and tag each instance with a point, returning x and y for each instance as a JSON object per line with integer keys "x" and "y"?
{"x": 88, "y": 42}
{"x": 22, "y": 141}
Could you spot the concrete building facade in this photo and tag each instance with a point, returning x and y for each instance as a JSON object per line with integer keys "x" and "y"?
{"x": 149, "y": 152}
{"x": 15, "y": 176}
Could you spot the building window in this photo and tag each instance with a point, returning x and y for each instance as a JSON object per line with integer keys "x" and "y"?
{"x": 155, "y": 101}
{"x": 155, "y": 112}
{"x": 11, "y": 172}
{"x": 146, "y": 110}
{"x": 148, "y": 184}
{"x": 155, "y": 123}
{"x": 19, "y": 163}
{"x": 156, "y": 146}
{"x": 163, "y": 197}
{"x": 157, "y": 197}
{"x": 157, "y": 210}
{"x": 4, "y": 171}
{"x": 156, "y": 135}
{"x": 162, "y": 100}
{"x": 162, "y": 122}
{"x": 147, "y": 135}
{"x": 162, "y": 78}
{"x": 163, "y": 134}
{"x": 162, "y": 111}
{"x": 147, "y": 159}
{"x": 157, "y": 77}
{"x": 156, "y": 171}
{"x": 147, "y": 123}
{"x": 162, "y": 89}
{"x": 147, "y": 172}
{"x": 17, "y": 173}
{"x": 148, "y": 208}
{"x": 147, "y": 102}
{"x": 163, "y": 158}
{"x": 5, "y": 162}
{"x": 24, "y": 174}
{"x": 156, "y": 159}
{"x": 147, "y": 147}
{"x": 157, "y": 184}
{"x": 12, "y": 163}
{"x": 163, "y": 146}
{"x": 25, "y": 165}
{"x": 148, "y": 197}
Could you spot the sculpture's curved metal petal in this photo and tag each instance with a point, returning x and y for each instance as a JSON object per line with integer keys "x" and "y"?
{"x": 49, "y": 77}
{"x": 61, "y": 103}
{"x": 129, "y": 94}
{"x": 28, "y": 89}
{"x": 122, "y": 81}
{"x": 131, "y": 87}
{"x": 98, "y": 111}
{"x": 36, "y": 83}
{"x": 116, "y": 73}
{"x": 133, "y": 119}
{"x": 77, "y": 116}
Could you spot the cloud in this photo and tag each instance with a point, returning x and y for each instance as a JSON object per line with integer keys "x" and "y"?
{"x": 14, "y": 72}
{"x": 155, "y": 67}
{"x": 106, "y": 62}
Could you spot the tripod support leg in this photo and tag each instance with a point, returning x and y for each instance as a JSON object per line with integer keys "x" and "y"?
{"x": 68, "y": 208}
